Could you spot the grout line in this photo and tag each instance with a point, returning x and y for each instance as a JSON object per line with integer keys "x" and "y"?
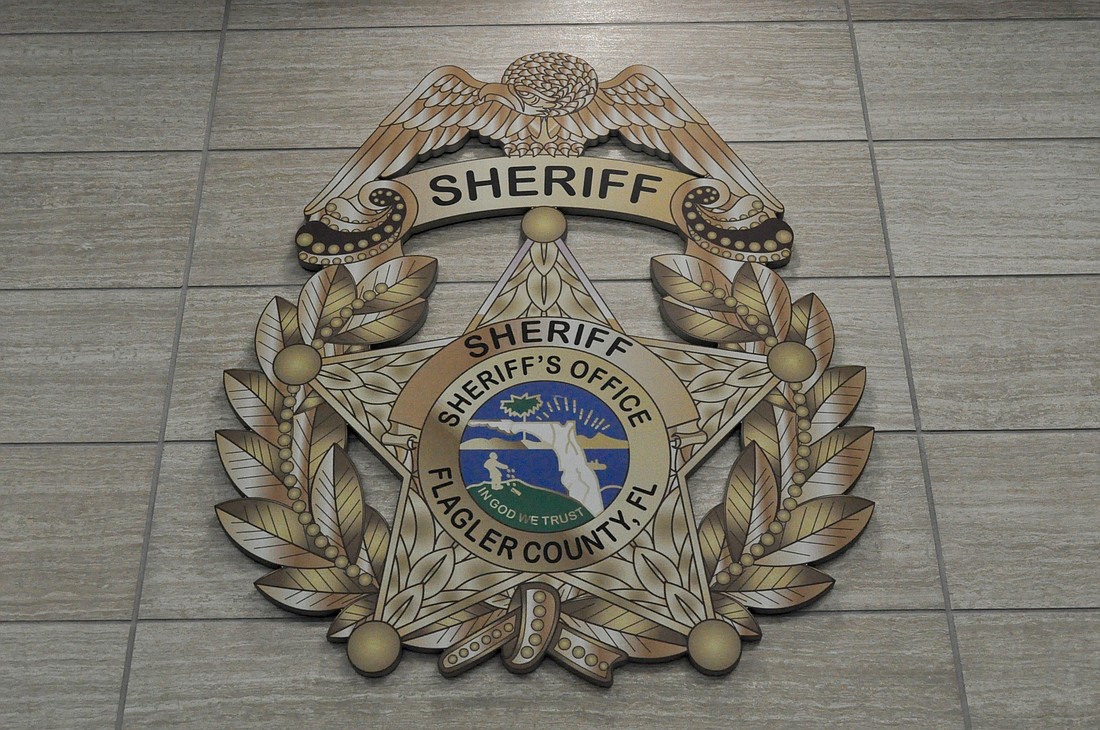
{"x": 443, "y": 26}
{"x": 287, "y": 616}
{"x": 952, "y": 633}
{"x": 878, "y": 430}
{"x": 732, "y": 142}
{"x": 575, "y": 23}
{"x": 159, "y": 459}
{"x": 598, "y": 280}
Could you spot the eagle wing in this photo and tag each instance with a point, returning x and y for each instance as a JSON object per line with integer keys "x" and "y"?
{"x": 441, "y": 112}
{"x": 644, "y": 109}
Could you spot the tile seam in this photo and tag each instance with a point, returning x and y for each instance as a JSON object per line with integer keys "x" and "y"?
{"x": 465, "y": 282}
{"x": 349, "y": 149}
{"x": 161, "y": 441}
{"x": 960, "y": 679}
{"x": 745, "y": 21}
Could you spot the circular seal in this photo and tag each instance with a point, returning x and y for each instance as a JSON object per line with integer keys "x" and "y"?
{"x": 544, "y": 458}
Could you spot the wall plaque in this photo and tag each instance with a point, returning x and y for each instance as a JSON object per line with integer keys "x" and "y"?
{"x": 545, "y": 451}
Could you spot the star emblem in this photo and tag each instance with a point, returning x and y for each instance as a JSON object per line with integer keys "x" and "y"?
{"x": 451, "y": 561}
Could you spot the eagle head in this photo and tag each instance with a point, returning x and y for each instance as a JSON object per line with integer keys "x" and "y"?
{"x": 546, "y": 84}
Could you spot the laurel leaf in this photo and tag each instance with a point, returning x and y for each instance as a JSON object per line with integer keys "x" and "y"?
{"x": 386, "y": 327}
{"x": 455, "y": 628}
{"x": 837, "y": 461}
{"x": 404, "y": 607}
{"x": 403, "y": 279}
{"x": 616, "y": 626}
{"x": 683, "y": 278}
{"x": 752, "y": 499}
{"x": 433, "y": 571}
{"x": 314, "y": 433}
{"x": 683, "y": 605}
{"x": 765, "y": 294}
{"x": 812, "y": 326}
{"x": 699, "y": 325}
{"x": 255, "y": 400}
{"x": 376, "y": 543}
{"x": 817, "y": 529}
{"x": 833, "y": 398}
{"x": 544, "y": 289}
{"x": 654, "y": 569}
{"x": 351, "y": 616}
{"x": 252, "y": 465}
{"x": 543, "y": 256}
{"x": 774, "y": 589}
{"x": 377, "y": 388}
{"x": 276, "y": 330}
{"x": 309, "y": 402}
{"x": 712, "y": 543}
{"x": 716, "y": 386}
{"x": 310, "y": 591}
{"x": 775, "y": 431}
{"x": 670, "y": 528}
{"x": 336, "y": 501}
{"x": 416, "y": 535}
{"x": 729, "y": 609}
{"x": 323, "y": 296}
{"x": 269, "y": 532}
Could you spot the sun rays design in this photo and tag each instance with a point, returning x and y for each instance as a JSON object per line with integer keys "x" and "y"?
{"x": 560, "y": 404}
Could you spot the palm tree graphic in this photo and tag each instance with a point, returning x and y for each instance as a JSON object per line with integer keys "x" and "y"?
{"x": 522, "y": 407}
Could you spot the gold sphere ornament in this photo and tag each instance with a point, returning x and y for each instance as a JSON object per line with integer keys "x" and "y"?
{"x": 714, "y": 647}
{"x": 543, "y": 225}
{"x": 297, "y": 364}
{"x": 374, "y": 649}
{"x": 792, "y": 362}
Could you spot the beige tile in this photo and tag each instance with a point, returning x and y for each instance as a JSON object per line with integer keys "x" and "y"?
{"x": 84, "y": 365}
{"x": 1003, "y": 79}
{"x": 275, "y": 91}
{"x": 336, "y": 14}
{"x": 1033, "y": 669}
{"x": 844, "y": 670}
{"x": 1004, "y": 353}
{"x": 28, "y": 16}
{"x": 252, "y": 207}
{"x": 193, "y": 570}
{"x": 971, "y": 9}
{"x": 96, "y": 220}
{"x": 116, "y": 91}
{"x": 893, "y": 564}
{"x": 219, "y": 326}
{"x": 973, "y": 208}
{"x": 1017, "y": 517}
{"x": 79, "y": 514}
{"x": 61, "y": 675}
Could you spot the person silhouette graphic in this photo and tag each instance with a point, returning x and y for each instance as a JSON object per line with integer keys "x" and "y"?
{"x": 496, "y": 468}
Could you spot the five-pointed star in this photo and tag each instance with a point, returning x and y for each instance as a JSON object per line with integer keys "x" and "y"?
{"x": 545, "y": 280}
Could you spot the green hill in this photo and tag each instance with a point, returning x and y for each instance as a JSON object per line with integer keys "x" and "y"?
{"x": 530, "y": 508}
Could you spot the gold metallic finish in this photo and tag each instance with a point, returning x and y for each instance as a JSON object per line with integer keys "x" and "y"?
{"x": 544, "y": 451}
{"x": 544, "y": 112}
{"x": 714, "y": 647}
{"x": 543, "y": 225}
{"x": 297, "y": 364}
{"x": 374, "y": 649}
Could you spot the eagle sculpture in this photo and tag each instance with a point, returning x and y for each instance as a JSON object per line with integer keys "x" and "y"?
{"x": 545, "y": 104}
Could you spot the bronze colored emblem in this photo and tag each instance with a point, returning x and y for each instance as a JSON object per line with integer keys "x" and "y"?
{"x": 545, "y": 452}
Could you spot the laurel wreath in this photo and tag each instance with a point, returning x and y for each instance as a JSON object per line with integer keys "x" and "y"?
{"x": 786, "y": 505}
{"x": 302, "y": 509}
